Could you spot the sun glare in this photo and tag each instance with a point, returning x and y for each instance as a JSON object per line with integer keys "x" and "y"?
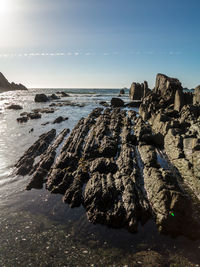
{"x": 4, "y": 7}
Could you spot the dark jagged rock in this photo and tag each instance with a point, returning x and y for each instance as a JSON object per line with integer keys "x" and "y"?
{"x": 25, "y": 163}
{"x": 43, "y": 166}
{"x": 117, "y": 102}
{"x": 6, "y": 86}
{"x": 15, "y": 107}
{"x": 59, "y": 120}
{"x": 41, "y": 98}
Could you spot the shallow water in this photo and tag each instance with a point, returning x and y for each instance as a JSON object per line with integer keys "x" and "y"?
{"x": 37, "y": 229}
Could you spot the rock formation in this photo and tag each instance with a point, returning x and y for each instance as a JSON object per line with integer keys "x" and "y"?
{"x": 166, "y": 87}
{"x": 125, "y": 170}
{"x": 6, "y": 86}
{"x": 138, "y": 91}
{"x": 177, "y": 123}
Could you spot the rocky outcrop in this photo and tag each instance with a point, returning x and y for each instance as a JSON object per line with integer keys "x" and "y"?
{"x": 166, "y": 87}
{"x": 6, "y": 86}
{"x": 41, "y": 98}
{"x": 138, "y": 91}
{"x": 196, "y": 98}
{"x": 111, "y": 164}
{"x": 177, "y": 125}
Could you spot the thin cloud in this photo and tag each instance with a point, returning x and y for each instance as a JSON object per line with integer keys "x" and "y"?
{"x": 32, "y": 55}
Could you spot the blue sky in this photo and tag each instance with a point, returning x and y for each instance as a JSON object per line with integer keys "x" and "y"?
{"x": 99, "y": 43}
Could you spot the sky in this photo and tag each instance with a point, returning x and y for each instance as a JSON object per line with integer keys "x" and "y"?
{"x": 99, "y": 43}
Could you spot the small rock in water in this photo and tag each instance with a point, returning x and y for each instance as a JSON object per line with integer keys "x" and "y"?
{"x": 34, "y": 116}
{"x": 22, "y": 119}
{"x": 59, "y": 119}
{"x": 41, "y": 98}
{"x": 15, "y": 107}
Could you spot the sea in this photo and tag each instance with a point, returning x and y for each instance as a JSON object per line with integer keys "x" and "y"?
{"x": 38, "y": 229}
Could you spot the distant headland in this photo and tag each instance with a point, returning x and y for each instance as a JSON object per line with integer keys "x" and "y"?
{"x": 6, "y": 86}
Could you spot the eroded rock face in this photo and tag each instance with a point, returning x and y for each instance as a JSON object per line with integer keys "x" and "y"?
{"x": 178, "y": 126}
{"x": 111, "y": 164}
{"x": 196, "y": 98}
{"x": 179, "y": 100}
{"x": 166, "y": 87}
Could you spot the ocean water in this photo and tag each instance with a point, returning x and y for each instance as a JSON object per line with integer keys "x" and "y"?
{"x": 37, "y": 229}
